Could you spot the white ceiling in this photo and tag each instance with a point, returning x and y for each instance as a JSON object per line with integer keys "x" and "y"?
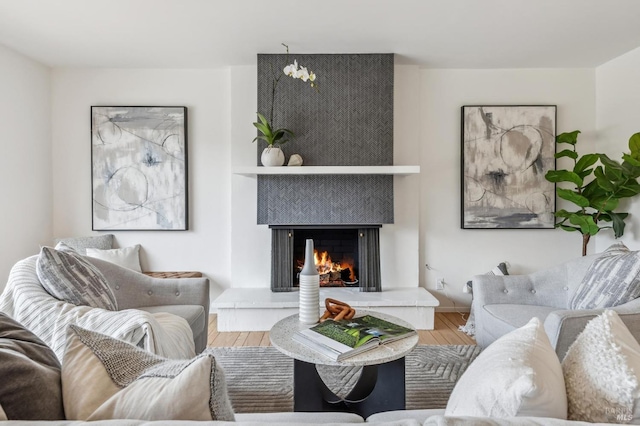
{"x": 218, "y": 33}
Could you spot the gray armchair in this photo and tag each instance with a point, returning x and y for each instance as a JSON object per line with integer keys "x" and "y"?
{"x": 504, "y": 303}
{"x": 185, "y": 297}
{"x": 139, "y": 320}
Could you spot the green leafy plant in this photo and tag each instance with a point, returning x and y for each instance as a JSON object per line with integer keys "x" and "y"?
{"x": 271, "y": 137}
{"x": 277, "y": 137}
{"x": 599, "y": 183}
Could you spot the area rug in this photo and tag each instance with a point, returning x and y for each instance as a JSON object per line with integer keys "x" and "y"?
{"x": 260, "y": 379}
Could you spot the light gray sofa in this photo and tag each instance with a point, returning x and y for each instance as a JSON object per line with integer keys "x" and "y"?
{"x": 504, "y": 303}
{"x": 393, "y": 418}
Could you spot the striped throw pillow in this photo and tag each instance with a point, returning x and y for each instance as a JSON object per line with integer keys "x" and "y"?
{"x": 67, "y": 276}
{"x": 611, "y": 280}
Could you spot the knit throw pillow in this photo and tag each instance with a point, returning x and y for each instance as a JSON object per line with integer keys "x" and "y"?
{"x": 612, "y": 279}
{"x": 602, "y": 373}
{"x": 105, "y": 378}
{"x": 67, "y": 276}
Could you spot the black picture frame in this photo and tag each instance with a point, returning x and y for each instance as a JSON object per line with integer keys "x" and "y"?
{"x": 139, "y": 168}
{"x": 506, "y": 152}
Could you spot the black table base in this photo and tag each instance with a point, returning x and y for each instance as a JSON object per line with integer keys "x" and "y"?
{"x": 379, "y": 388}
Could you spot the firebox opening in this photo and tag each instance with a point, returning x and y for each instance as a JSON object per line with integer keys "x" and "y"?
{"x": 336, "y": 256}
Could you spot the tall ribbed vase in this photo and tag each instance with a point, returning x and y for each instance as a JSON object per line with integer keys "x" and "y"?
{"x": 309, "y": 288}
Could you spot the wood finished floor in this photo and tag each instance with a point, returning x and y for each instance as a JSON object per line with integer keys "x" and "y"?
{"x": 445, "y": 333}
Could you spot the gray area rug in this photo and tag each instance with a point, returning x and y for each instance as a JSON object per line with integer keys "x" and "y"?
{"x": 260, "y": 379}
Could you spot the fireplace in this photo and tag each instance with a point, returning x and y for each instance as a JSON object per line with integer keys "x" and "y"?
{"x": 345, "y": 256}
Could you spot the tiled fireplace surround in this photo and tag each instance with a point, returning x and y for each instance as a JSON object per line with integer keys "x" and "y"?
{"x": 348, "y": 123}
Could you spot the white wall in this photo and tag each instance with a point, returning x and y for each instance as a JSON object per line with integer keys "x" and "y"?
{"x": 618, "y": 117}
{"x": 455, "y": 254}
{"x": 251, "y": 243}
{"x": 223, "y": 206}
{"x": 25, "y": 216}
{"x": 205, "y": 247}
{"x": 224, "y": 241}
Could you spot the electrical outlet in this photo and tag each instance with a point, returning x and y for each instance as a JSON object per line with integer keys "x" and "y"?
{"x": 440, "y": 284}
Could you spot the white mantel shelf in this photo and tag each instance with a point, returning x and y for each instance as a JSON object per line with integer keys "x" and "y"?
{"x": 328, "y": 170}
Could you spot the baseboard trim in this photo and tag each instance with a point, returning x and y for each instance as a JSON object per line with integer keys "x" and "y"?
{"x": 464, "y": 309}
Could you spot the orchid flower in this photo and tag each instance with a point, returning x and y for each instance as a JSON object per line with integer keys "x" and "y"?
{"x": 303, "y": 74}
{"x": 292, "y": 69}
{"x": 279, "y": 136}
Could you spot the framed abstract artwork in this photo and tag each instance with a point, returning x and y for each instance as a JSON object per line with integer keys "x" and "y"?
{"x": 139, "y": 168}
{"x": 506, "y": 152}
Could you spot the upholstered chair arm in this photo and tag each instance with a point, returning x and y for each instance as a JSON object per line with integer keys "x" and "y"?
{"x": 498, "y": 289}
{"x": 563, "y": 326}
{"x": 134, "y": 290}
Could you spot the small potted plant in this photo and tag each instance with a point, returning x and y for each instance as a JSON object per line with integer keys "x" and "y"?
{"x": 272, "y": 155}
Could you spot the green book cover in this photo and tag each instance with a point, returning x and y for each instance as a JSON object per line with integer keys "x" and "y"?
{"x": 357, "y": 332}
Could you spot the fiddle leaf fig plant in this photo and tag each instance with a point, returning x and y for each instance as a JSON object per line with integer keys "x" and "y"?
{"x": 596, "y": 185}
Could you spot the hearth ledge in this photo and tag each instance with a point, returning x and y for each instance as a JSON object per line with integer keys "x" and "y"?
{"x": 257, "y": 309}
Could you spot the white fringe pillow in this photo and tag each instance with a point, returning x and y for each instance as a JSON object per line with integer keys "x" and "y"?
{"x": 601, "y": 371}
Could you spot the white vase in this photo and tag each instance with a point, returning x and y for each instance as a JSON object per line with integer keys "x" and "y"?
{"x": 309, "y": 305}
{"x": 272, "y": 156}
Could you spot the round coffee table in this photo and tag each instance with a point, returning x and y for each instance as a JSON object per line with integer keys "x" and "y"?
{"x": 381, "y": 386}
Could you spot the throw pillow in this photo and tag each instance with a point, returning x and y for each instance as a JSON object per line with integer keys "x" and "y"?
{"x": 517, "y": 375}
{"x": 612, "y": 279}
{"x": 127, "y": 257}
{"x": 602, "y": 372}
{"x": 30, "y": 386}
{"x": 67, "y": 276}
{"x": 105, "y": 378}
{"x": 501, "y": 269}
{"x": 469, "y": 327}
{"x": 80, "y": 244}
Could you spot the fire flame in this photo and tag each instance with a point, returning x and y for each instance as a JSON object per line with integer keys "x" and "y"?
{"x": 325, "y": 265}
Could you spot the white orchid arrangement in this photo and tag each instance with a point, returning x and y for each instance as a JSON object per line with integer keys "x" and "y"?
{"x": 302, "y": 73}
{"x": 279, "y": 136}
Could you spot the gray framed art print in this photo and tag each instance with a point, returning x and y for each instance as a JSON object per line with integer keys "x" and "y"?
{"x": 139, "y": 168}
{"x": 506, "y": 152}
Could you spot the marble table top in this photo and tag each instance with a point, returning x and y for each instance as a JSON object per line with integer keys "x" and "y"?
{"x": 282, "y": 331}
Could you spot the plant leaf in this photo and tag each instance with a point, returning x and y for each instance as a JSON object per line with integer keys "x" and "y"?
{"x": 563, "y": 213}
{"x": 568, "y": 137}
{"x": 618, "y": 224}
{"x": 631, "y": 160}
{"x": 572, "y": 196}
{"x": 605, "y": 204}
{"x": 586, "y": 223}
{"x": 263, "y": 120}
{"x": 583, "y": 174}
{"x": 585, "y": 161}
{"x": 569, "y": 228}
{"x": 630, "y": 188}
{"x": 567, "y": 153}
{"x": 563, "y": 176}
{"x": 602, "y": 180}
{"x": 634, "y": 143}
{"x": 265, "y": 130}
{"x": 592, "y": 190}
{"x": 608, "y": 162}
{"x": 264, "y": 138}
